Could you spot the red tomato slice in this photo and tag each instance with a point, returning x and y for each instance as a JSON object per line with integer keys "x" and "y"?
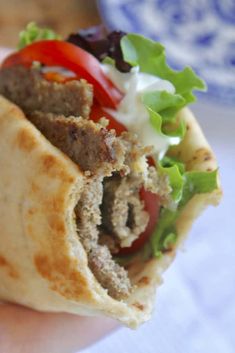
{"x": 152, "y": 206}
{"x": 98, "y": 112}
{"x": 70, "y": 56}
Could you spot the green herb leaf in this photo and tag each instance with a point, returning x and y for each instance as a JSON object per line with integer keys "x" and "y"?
{"x": 108, "y": 60}
{"x": 33, "y": 33}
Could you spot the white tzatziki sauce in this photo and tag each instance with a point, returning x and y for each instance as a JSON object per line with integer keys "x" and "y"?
{"x": 132, "y": 113}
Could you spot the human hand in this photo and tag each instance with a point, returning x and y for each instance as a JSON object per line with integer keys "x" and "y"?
{"x": 27, "y": 331}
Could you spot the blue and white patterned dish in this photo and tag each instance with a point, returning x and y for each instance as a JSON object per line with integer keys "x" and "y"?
{"x": 199, "y": 33}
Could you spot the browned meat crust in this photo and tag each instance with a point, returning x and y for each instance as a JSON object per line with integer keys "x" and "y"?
{"x": 29, "y": 90}
{"x": 133, "y": 147}
{"x": 110, "y": 274}
{"x": 92, "y": 147}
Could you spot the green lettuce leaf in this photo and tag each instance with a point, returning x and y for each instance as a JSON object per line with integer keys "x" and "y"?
{"x": 169, "y": 241}
{"x": 194, "y": 182}
{"x": 165, "y": 226}
{"x": 176, "y": 181}
{"x": 161, "y": 105}
{"x": 33, "y": 33}
{"x": 198, "y": 183}
{"x": 171, "y": 161}
{"x": 173, "y": 137}
{"x": 162, "y": 108}
{"x": 165, "y": 103}
{"x": 150, "y": 57}
{"x": 109, "y": 61}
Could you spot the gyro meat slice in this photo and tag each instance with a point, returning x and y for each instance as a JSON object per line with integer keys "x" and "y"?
{"x": 27, "y": 88}
{"x": 91, "y": 146}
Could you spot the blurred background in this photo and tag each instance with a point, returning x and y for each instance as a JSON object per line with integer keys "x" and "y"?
{"x": 195, "y": 310}
{"x": 63, "y": 16}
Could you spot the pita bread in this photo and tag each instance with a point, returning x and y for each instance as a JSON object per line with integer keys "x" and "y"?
{"x": 42, "y": 262}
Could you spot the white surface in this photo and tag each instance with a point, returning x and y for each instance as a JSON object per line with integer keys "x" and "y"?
{"x": 195, "y": 307}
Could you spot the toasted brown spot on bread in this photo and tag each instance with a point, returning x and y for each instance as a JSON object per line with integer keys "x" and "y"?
{"x": 49, "y": 161}
{"x": 202, "y": 154}
{"x": 144, "y": 281}
{"x": 200, "y": 157}
{"x": 34, "y": 187}
{"x": 58, "y": 204}
{"x": 57, "y": 224}
{"x": 9, "y": 267}
{"x": 52, "y": 165}
{"x": 138, "y": 306}
{"x": 32, "y": 210}
{"x": 3, "y": 261}
{"x": 30, "y": 230}
{"x": 64, "y": 276}
{"x": 207, "y": 158}
{"x": 25, "y": 140}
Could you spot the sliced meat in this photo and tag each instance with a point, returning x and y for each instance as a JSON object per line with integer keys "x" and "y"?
{"x": 158, "y": 183}
{"x": 88, "y": 144}
{"x": 87, "y": 212}
{"x": 152, "y": 180}
{"x": 28, "y": 89}
{"x": 123, "y": 214}
{"x": 110, "y": 275}
{"x": 111, "y": 242}
{"x": 135, "y": 151}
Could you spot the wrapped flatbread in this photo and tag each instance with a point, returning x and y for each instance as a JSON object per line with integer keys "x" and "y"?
{"x": 91, "y": 214}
